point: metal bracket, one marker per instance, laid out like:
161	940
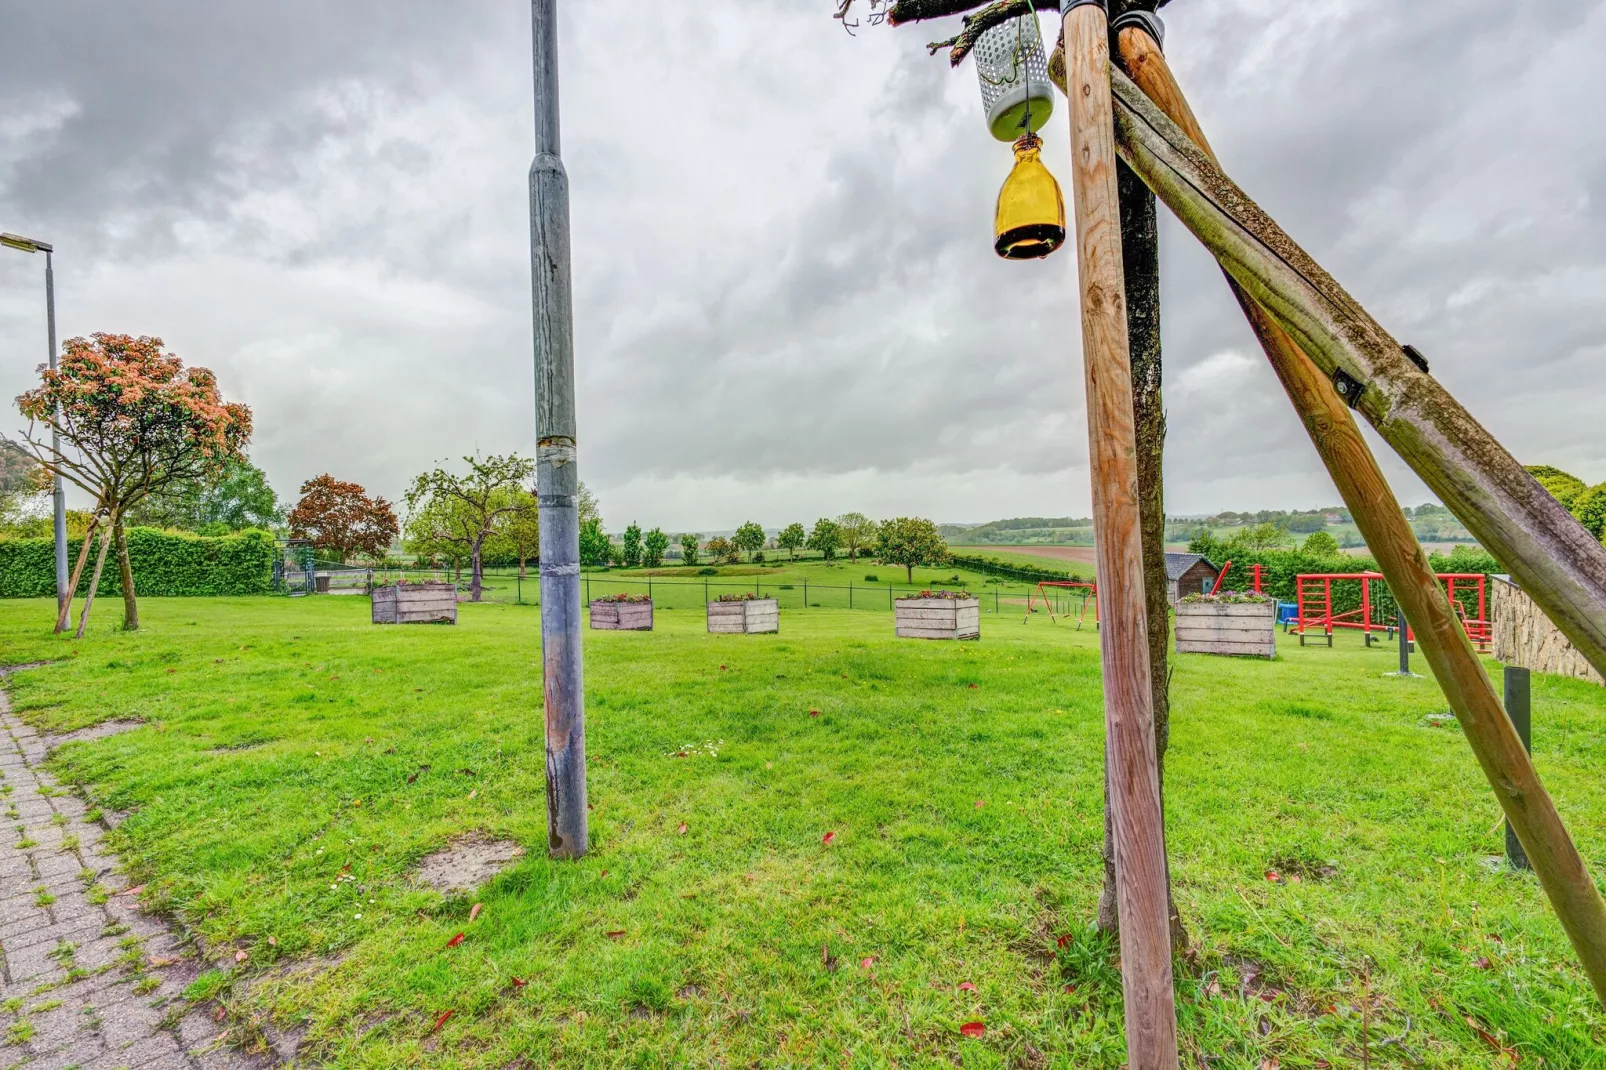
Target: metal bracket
1349	388
1147	21
1416	357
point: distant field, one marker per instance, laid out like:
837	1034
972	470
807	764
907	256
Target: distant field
1060	557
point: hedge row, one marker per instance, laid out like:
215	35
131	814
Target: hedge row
992	566
165	563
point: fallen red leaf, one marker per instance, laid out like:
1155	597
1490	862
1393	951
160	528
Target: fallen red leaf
1273	876
722	668
683	828
1069	989
474	911
240	956
974	1029
519	982
441	1020
973	687
966	986
980	804
828	837
814	713
866	963
614	934
1490	1039
135	890
1061	941
1482	964
454	941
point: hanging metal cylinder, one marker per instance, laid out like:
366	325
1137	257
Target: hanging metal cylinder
1013	72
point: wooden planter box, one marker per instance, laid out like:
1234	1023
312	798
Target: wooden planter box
937	618
1247	629
416	603
621	616
745	618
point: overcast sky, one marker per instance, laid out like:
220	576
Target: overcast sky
787	304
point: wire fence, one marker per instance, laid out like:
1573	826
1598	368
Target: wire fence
510	586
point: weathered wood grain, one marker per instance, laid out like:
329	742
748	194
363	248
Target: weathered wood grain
749	617
937	618
1145	936
621	616
1366	492
415	603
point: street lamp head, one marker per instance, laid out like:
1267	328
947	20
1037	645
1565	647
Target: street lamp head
27	245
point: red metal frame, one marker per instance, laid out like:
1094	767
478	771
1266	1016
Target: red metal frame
1093	588
1222	576
1321	615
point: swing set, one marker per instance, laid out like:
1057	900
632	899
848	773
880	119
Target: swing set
1090	596
1314	594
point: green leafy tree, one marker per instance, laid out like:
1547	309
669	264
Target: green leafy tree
469	506
1320	544
1266	536
595	545
630	547
792	537
1563	486
428	535
858	533
910	541
689	543
653	547
721	549
749	537
587	505
1590	509
235	497
826	538
518	532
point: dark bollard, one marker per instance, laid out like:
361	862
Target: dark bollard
1519	708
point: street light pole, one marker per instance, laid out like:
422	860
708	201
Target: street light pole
58	488
557	481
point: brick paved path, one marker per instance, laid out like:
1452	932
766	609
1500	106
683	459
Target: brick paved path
86	984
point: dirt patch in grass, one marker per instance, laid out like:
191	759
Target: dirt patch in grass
94	731
466	863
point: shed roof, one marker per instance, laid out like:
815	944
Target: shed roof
1176	565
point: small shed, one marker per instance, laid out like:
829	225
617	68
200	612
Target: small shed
1188	574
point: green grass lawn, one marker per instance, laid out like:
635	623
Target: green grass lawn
288	744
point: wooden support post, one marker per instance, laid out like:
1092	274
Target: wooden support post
1555	559
1151	1030
1444	642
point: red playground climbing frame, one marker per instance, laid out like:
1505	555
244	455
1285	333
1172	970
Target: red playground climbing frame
1314	592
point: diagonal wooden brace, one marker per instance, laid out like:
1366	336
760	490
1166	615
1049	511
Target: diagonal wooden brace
1557	561
1382	523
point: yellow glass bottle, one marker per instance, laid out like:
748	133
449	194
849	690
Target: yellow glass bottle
1031	210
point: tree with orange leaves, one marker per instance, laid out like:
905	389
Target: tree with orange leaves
133	420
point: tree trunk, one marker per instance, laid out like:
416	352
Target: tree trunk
475	576
909	574
64	611
125	573
94	582
1140	254
521	568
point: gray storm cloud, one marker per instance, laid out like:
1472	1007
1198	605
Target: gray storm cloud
786	299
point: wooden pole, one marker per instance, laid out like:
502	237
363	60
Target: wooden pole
94	581
64	605
1559	563
1444	642
557	478
1145	939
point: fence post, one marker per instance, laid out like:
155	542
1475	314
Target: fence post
805	592
889	597
705	591
850	594
995	600
1520	709
588	592
649	588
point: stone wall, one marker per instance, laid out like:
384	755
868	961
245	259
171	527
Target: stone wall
1524	636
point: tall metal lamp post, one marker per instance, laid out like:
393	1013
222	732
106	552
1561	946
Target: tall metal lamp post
557	481
59	492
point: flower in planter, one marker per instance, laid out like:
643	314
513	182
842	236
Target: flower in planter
633	599
746	597
1229	598
936	594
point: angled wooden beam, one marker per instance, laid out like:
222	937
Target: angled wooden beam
1131	764
1388	534
1557	561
